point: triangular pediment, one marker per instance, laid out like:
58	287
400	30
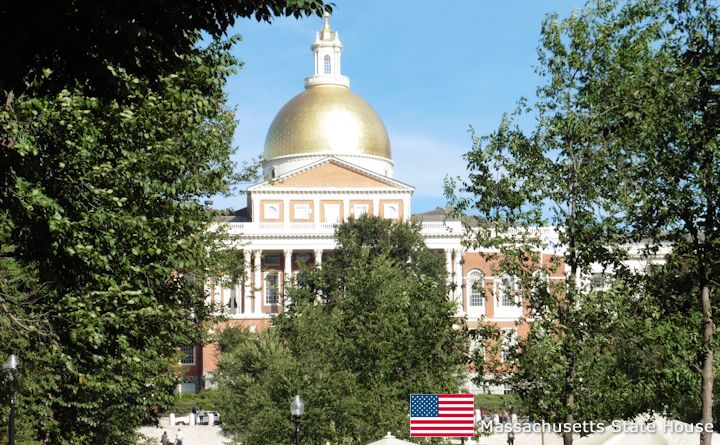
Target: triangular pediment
331	173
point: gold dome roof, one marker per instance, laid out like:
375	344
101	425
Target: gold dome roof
327	119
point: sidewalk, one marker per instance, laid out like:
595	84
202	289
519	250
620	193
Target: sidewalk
192	434
212	435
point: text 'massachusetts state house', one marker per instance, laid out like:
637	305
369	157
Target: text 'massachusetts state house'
328	157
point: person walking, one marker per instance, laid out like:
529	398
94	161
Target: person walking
164	439
178	437
511	438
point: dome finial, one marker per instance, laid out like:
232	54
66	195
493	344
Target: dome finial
326	34
327	50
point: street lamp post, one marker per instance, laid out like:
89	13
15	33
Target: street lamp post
297	409
10	366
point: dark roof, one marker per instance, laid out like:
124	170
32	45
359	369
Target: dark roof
242	215
438	211
439	214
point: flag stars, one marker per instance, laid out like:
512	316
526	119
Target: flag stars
423	405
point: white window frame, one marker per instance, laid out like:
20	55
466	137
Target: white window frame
233	296
541	277
335	211
268	287
302	212
360	210
272	210
189	351
600	281
477	346
507	341
391	211
500	286
475	276
327	65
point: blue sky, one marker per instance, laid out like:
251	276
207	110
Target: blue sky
430	69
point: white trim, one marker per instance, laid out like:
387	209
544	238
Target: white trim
266	287
193	353
339	162
474	276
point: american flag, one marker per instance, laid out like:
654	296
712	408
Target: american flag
442	415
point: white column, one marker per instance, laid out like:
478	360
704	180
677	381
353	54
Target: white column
318	257
247	291
287	273
458	282
448	265
258	282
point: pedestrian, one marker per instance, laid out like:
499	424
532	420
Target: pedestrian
164	439
511	438
178	437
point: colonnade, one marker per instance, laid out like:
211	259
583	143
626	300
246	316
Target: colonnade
250	295
250	292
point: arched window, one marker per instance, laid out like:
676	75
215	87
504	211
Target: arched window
476	288
328	65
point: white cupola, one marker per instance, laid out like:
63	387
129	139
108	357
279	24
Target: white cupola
327	50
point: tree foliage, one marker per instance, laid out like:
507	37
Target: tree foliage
113	126
78	39
101	196
660	101
633	92
363	332
558	174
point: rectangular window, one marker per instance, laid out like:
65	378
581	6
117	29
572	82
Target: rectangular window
332	213
188	355
302	212
271	260
509	341
360	209
303	258
505	289
477	348
272	296
600	281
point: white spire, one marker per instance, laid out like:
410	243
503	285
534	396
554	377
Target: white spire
327	50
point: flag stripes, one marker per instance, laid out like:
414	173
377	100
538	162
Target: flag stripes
442	415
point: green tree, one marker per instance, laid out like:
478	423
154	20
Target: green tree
113	128
371	326
77	39
102	197
558	174
661	100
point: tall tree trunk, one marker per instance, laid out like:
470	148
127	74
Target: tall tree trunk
707	368
569	401
572	287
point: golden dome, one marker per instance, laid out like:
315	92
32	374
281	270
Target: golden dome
327	119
